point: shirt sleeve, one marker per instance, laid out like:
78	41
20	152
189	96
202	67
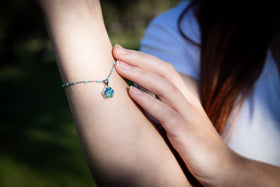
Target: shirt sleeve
163	40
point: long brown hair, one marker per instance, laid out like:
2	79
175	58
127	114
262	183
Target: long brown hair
234	43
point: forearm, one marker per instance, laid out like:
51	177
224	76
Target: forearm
254	173
247	172
121	145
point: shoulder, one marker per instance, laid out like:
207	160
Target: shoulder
164	40
166	24
170	17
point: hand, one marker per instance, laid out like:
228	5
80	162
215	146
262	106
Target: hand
187	125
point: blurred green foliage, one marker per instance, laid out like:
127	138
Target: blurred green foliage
38	141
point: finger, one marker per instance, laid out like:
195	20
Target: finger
160	86
169	118
153	64
178	131
143	60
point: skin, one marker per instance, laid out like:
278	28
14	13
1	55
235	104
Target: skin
121	145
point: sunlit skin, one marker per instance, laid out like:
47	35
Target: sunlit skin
121	145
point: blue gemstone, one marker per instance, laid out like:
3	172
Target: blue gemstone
86	81
114	62
67	84
62	85
98	81
108	92
74	83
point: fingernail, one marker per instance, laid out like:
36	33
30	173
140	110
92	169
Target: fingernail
121	50
123	66
136	90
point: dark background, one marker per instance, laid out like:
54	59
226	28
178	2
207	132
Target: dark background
38	142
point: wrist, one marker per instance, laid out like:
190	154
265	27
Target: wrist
236	170
230	171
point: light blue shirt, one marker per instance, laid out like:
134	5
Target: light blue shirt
255	131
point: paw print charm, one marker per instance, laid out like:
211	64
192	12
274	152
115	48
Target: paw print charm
107	92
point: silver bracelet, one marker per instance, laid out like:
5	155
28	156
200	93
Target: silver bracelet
107	91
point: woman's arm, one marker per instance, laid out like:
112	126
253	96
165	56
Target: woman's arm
121	146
